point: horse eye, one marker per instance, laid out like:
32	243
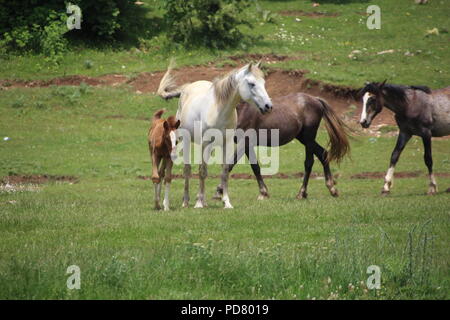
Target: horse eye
251	84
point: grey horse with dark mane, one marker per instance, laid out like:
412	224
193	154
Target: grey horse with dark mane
418	111
296	116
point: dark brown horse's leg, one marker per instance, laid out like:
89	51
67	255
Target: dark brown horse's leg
309	162
402	140
321	154
429	162
251	156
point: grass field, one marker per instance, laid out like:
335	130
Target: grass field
281	248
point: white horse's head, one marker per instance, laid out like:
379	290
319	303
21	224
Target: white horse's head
250	85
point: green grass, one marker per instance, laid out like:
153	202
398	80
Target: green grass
322	44
278	248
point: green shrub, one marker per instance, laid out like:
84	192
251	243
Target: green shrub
212	23
41	26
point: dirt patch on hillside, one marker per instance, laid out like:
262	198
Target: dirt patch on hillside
19	179
311	14
279	83
405	174
75	80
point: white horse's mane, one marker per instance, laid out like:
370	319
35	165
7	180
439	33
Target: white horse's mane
225	86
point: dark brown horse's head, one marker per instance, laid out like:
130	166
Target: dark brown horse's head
373	101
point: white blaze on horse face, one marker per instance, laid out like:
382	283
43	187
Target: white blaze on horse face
173	140
366	97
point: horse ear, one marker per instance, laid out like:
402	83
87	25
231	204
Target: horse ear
177	124
359	93
383	83
249	68
258	64
166	125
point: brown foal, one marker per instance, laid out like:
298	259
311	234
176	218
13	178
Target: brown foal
162	146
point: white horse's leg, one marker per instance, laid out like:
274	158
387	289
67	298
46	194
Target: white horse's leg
203	173
167	181
226	173
187	175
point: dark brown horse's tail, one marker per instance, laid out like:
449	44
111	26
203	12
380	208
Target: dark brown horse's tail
337	131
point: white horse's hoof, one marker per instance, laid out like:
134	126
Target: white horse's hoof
200	204
262	197
228	206
185	205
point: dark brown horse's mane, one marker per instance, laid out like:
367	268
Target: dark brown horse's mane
396	92
422	88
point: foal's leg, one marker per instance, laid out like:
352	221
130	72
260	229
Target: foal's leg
167	182
203	173
309	162
429	162
322	154
155	177
402	140
161	173
155	165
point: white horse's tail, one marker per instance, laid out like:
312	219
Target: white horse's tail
167	87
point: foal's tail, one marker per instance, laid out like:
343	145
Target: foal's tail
157	115
167	87
337	131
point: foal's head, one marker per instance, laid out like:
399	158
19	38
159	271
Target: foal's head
373	102
170	140
163	135
251	87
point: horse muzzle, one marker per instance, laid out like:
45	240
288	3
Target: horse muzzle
266	109
364	123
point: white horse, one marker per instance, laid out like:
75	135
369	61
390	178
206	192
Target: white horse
213	106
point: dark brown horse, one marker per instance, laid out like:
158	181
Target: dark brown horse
296	116
418	111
